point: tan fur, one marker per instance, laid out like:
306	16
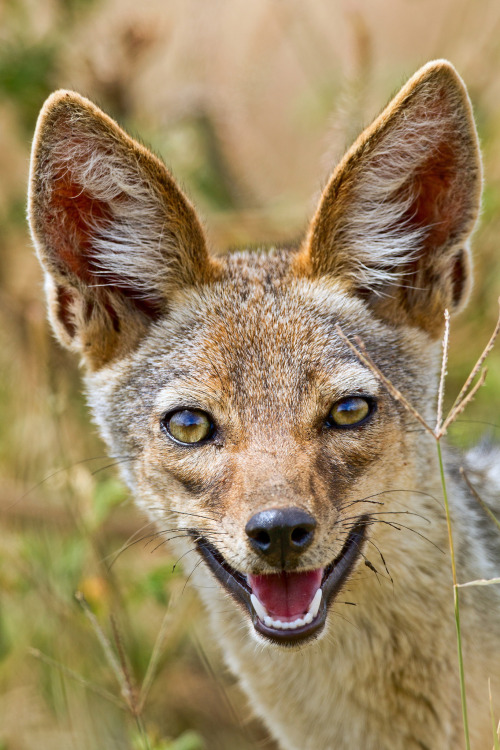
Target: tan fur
251	339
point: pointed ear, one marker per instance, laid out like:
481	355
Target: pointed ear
395	217
115	235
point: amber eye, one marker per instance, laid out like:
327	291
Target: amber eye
188	426
350	411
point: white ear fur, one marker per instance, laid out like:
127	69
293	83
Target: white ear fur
113	231
399	208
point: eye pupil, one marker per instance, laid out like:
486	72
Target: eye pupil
188	425
350	411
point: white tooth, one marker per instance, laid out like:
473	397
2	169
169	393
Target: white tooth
277	624
293	625
308	618
259	609
268	621
314	606
299	622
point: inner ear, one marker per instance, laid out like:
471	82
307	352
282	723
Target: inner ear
393	223
116	236
437	201
75	214
79	220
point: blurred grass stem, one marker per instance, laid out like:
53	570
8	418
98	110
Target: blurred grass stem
77	677
481	502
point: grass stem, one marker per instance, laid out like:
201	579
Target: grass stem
455	599
142	732
496	731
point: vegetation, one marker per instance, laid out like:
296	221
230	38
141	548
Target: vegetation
241	103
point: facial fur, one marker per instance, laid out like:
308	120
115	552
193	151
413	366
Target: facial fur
259	351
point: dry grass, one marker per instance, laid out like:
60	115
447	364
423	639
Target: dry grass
243	100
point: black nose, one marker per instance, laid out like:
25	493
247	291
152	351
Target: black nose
280	535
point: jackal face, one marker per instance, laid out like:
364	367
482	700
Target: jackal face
251	431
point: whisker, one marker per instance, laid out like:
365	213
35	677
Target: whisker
154	535
115	463
197	515
475	421
389	492
195	567
54	474
355	502
398	526
129	542
382	558
178	536
343	617
193	549
369	564
388	513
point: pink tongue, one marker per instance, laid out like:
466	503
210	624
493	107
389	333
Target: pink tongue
286	594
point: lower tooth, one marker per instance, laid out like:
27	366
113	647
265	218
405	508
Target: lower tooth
299	622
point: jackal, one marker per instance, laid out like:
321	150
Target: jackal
253	431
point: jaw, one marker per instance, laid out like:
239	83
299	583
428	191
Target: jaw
303	615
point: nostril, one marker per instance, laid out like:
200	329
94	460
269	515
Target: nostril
300	536
281	534
262	539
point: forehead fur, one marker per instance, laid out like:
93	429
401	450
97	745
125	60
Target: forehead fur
260	334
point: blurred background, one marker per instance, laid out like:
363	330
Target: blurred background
250	104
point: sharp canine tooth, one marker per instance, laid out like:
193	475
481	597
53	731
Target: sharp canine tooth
308	618
259	609
314	607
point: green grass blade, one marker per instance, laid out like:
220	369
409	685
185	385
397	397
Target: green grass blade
455	599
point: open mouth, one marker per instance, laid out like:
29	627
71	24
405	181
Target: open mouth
287	607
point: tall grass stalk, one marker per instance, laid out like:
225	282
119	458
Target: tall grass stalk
465	396
120	667
37	654
456	599
496	730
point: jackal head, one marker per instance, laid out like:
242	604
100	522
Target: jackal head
252	434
